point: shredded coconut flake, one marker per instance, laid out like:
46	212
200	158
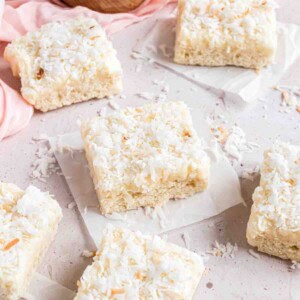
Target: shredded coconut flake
85	210
114	105
236	143
164	50
45	163
290	97
232	141
71	205
254	254
41	137
294	266
223	250
137	55
87	253
161	97
117	216
146	96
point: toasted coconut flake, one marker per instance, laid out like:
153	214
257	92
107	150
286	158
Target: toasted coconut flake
117	291
11	244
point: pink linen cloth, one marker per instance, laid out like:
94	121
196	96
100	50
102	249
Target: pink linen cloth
21	16
15	113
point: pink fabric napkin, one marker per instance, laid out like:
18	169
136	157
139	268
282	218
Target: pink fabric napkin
15	113
21	16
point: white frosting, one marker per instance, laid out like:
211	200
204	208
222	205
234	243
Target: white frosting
24	215
221	21
63	52
138	148
140	267
277	199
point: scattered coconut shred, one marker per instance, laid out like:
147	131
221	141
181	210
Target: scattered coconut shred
294	266
45	163
117	216
160	97
233	141
290	96
87	253
114	105
155	213
254	254
142	60
223	250
71	205
166	52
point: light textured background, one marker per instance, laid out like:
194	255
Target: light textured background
242	277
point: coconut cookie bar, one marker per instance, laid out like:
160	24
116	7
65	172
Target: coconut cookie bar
130	265
64	63
226	32
274	224
144	156
28	223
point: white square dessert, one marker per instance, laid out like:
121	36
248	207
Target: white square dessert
64	63
145	156
274	224
28	224
226	32
130	265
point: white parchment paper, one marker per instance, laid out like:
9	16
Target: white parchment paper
223	192
237	83
42	288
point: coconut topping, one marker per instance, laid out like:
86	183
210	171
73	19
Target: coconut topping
140	267
138	148
277	199
23	216
227	19
62	52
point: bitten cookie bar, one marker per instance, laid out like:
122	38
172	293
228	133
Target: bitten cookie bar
144	156
64	63
130	265
226	32
28	223
274	224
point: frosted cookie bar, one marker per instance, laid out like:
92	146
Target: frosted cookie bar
64	63
28	223
130	265
274	224
144	156
226	32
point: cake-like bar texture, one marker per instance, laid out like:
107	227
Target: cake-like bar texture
144	156
274	224
28	224
129	265
226	32
64	63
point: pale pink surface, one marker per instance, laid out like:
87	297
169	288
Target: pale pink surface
243	277
21	16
